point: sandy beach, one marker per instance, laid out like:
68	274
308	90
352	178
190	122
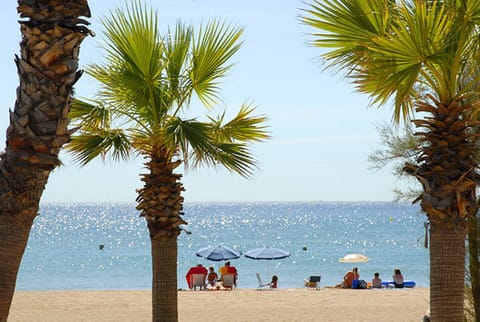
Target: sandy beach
291	305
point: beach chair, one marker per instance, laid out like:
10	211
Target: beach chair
228	281
197	280
313	282
262	285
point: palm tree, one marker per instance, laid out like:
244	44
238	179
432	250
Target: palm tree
47	69
146	87
406	148
416	55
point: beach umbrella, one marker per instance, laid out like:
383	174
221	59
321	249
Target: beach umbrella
353	258
218	253
267	253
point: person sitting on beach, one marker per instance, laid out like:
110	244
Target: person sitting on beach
228	269
199	269
397	278
233	270
273	283
212	276
350	277
223	270
376	281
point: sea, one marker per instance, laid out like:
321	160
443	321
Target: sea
106	246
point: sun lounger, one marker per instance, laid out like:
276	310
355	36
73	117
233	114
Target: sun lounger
313	282
262	285
228	281
197	280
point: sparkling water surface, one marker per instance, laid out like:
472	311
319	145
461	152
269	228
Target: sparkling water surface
64	252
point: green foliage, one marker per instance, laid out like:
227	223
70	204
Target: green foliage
404	147
213	47
400	51
147	82
397	148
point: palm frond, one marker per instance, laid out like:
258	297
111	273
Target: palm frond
89	145
469	75
236	157
132	36
198	146
176	51
349	26
187	136
120	88
243	127
143	140
389	57
133	79
468	13
90	114
214	45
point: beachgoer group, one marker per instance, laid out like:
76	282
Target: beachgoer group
352	280
211	278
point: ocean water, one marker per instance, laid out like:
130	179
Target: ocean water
63	252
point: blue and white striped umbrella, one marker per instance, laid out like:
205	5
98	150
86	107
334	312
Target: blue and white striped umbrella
219	253
267	253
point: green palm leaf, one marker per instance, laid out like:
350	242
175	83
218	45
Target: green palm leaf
133	39
207	144
213	47
348	26
236	157
176	52
136	64
186	135
87	146
90	115
243	127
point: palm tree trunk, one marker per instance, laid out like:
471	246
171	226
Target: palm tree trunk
447	171
47	69
164	281
473	251
447	273
13	247
161	203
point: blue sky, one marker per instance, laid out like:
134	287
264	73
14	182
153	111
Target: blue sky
322	131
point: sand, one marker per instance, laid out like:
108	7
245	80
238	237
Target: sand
290	305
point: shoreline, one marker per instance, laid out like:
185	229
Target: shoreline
327	304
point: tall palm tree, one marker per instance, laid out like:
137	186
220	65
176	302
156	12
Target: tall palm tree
47	68
406	148
416	55
146	88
